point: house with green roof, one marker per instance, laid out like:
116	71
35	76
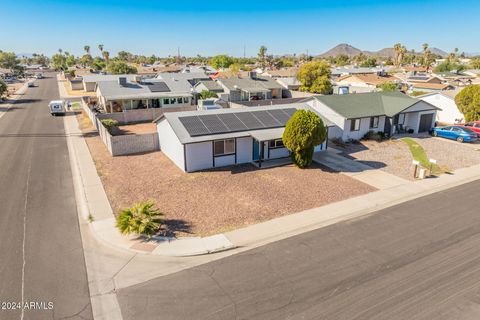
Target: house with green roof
390	112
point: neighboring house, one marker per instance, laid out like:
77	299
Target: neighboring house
448	112
389	112
199	140
191	77
426	83
208	70
208	85
75	83
343	71
473	72
289	83
281	73
5	73
251	88
122	94
90	81
365	80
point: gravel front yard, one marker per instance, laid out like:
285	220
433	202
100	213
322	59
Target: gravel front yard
450	154
218	200
392	156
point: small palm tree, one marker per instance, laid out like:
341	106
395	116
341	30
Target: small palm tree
142	218
106	56
100	47
87	49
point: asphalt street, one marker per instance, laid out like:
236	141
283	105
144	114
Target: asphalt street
42	262
416	260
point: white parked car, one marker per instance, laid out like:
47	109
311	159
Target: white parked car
57	107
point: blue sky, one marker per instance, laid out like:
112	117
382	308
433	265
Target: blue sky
216	27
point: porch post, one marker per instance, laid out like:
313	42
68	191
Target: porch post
260	156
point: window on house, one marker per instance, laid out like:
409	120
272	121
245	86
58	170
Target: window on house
273	144
166	101
173	100
355	125
374	122
224	147
185	100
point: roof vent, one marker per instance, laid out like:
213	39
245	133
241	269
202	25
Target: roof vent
122	81
252	75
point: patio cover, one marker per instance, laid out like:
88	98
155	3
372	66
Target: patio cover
267	134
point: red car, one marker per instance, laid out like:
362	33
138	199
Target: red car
474	125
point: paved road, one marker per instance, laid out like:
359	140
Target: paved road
417	260
41	250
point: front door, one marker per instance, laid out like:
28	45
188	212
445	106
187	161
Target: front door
425	122
387	129
256	150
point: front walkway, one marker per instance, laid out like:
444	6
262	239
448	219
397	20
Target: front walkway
357	170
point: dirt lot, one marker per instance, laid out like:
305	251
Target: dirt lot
214	201
137	128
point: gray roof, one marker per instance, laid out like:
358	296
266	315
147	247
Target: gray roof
183	76
210	85
184	136
112	90
363	105
108	77
258	84
341	71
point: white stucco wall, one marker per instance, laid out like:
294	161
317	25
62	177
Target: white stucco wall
169	144
449	113
244	150
199	156
278	153
364	128
223	161
327	113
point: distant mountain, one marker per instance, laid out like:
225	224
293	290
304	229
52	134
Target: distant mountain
385	52
351	51
342	48
439	52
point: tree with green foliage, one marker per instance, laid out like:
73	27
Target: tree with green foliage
369	63
389	86
475	63
120	67
207	94
9	60
468	102
341	60
98	64
221	61
86	60
449	65
142	218
86	49
314	77
3	89
124	56
262	52
303	132
59	62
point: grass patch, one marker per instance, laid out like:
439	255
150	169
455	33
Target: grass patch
76	106
419	154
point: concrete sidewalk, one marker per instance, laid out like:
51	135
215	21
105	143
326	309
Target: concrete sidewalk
93	202
6	105
357	170
96	208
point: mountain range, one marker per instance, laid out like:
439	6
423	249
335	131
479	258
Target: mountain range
351	51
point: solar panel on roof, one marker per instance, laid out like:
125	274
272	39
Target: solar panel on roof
281	116
158	87
213	123
266	119
250	121
232	122
194	126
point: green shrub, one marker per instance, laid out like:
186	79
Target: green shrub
110	124
142	218
208	94
303	132
373	135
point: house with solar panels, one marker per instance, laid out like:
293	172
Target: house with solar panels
198	140
125	94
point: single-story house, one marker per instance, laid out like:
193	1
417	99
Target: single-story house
282	73
198	140
429	87
289	83
447	112
208	70
389	112
122	94
208	85
250	88
90	81
191	77
368	80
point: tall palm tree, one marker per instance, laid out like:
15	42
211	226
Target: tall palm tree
60	50
397	48
87	49
100	47
106	56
